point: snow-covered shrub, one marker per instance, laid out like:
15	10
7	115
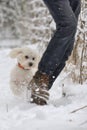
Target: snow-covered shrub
7	19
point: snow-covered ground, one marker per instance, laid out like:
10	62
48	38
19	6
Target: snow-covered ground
18	114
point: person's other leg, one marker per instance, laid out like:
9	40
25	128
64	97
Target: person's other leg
76	7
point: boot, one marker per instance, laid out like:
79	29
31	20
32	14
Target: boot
39	88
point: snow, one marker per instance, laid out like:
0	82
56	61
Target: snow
9	43
18	114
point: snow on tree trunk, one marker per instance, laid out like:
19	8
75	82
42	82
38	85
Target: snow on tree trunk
77	64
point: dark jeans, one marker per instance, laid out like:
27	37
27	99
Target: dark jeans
65	14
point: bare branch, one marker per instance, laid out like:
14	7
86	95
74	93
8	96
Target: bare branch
78	109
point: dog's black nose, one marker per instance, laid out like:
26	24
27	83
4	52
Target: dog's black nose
30	64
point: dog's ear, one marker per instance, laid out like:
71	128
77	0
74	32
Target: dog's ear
15	52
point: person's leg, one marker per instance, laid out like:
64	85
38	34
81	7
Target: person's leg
66	23
61	66
76	7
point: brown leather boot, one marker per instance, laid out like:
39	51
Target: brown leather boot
39	88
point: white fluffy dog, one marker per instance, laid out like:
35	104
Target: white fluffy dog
22	73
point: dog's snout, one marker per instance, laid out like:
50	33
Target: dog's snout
30	64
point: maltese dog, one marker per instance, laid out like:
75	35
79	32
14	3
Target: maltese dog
24	70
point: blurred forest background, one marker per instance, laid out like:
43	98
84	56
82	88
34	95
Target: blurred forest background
24	22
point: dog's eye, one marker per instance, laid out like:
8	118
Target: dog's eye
27	57
33	58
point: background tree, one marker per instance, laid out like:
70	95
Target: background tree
77	65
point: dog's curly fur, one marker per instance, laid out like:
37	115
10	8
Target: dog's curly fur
21	77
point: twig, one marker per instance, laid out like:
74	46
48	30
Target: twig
83	123
78	109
